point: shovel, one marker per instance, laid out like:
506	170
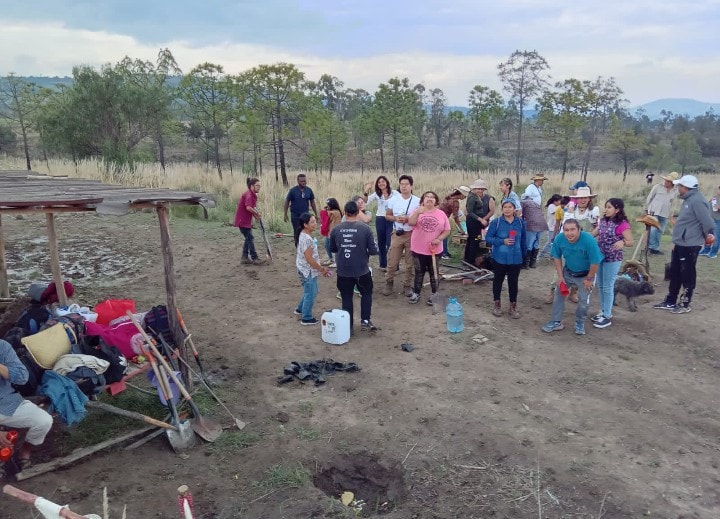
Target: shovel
206	428
436	298
130	414
268	250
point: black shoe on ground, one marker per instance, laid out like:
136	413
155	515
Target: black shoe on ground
655	251
665	306
366	325
309	322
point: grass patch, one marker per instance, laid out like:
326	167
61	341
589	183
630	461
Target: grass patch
305	408
281	476
307	434
232	442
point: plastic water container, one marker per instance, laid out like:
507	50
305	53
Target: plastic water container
454	315
335	326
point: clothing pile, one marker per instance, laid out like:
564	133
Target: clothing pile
315	370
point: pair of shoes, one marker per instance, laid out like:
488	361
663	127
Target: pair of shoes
413	298
603	322
388	289
366	325
655	251
579	328
553	326
665	306
309	322
497	309
681	309
258	261
246	261
597	318
297	312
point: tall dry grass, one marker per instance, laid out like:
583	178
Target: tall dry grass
343	185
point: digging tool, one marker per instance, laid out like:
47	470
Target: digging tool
238	423
206	428
129	414
268	249
166	349
188	339
183	438
436	299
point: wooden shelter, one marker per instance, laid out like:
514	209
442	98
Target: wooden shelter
31	192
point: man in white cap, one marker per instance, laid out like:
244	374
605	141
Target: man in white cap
658	204
534	190
690	231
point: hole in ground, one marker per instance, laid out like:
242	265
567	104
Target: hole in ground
380	484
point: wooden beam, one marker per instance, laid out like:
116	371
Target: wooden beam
55	260
4	286
168	262
31	210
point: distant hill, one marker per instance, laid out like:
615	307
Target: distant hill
689	107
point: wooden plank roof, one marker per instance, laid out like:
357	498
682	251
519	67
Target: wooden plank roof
28	191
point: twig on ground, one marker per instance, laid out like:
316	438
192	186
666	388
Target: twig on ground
555	499
263	496
537	493
408	454
472	467
602	506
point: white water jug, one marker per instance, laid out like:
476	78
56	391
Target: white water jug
335	326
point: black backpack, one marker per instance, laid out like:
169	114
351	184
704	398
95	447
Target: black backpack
94	345
35	373
33	317
158	324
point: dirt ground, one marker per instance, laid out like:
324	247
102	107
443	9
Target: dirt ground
621	423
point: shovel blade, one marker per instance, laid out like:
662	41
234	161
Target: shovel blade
207	429
182	439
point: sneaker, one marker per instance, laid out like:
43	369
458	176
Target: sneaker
414	298
603	322
245	261
338	295
656	251
408	291
258	261
681	309
553	326
309	322
430	300
579	328
713	255
665	306
497	310
704	252
597	318
445	256
297	312
366	325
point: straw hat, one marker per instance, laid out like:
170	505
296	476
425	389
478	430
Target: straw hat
583	192
479	184
538	177
462	190
671	177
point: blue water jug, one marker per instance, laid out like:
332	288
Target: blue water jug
454	314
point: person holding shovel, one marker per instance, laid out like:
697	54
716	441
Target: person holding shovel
431	227
246	211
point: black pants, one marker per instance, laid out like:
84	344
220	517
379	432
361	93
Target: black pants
472	245
422	264
513	274
248	250
297	229
346	286
682	272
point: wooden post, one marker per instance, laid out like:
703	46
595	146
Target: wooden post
166	245
4	286
55	260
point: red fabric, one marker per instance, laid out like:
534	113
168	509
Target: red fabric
324	222
243	218
113	308
50	295
118	335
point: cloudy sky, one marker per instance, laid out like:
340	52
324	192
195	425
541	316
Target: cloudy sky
654	49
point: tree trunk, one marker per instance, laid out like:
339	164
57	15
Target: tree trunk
382	153
332	162
216	146
396	152
280	148
161	149
230	163
25	145
518	158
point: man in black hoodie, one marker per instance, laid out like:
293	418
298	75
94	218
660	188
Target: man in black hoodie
693	225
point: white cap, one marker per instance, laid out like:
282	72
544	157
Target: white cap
688	181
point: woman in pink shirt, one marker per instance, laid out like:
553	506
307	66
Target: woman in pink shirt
431	227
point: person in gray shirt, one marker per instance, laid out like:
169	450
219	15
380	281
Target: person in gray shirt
352	243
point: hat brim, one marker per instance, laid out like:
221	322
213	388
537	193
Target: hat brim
669	179
582	196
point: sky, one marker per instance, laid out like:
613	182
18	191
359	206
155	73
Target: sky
654	49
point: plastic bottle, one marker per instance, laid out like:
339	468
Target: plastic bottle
6	452
454	315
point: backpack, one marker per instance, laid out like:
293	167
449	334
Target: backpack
94	345
33	317
158	324
35	374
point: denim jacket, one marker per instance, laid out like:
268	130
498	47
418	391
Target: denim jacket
498	230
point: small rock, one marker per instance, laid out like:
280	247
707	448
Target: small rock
282	417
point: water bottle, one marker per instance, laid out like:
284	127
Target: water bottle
454	314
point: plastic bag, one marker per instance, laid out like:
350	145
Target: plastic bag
112	308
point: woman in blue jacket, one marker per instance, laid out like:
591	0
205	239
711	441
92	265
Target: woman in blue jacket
506	234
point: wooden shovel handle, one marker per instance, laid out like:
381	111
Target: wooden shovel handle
129	414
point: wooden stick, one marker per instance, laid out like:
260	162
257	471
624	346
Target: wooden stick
129	414
77	454
27	497
55	260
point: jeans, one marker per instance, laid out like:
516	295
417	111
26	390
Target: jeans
558	305
713	250
656	234
248	250
327	249
532	240
423	263
307	300
384	230
346	286
606	275
513	274
682	273
548	245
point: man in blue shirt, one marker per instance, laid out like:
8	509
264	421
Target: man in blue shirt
15	411
582	258
299	200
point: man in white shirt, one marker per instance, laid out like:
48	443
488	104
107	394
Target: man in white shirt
399	209
534	190
658	204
